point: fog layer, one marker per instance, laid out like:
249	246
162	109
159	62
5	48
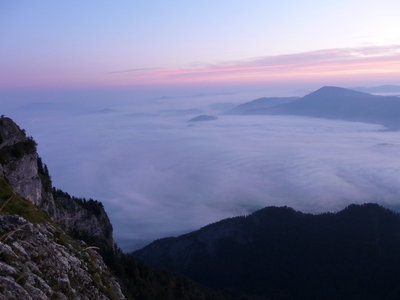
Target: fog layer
159	175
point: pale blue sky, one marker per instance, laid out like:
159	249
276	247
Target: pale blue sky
78	39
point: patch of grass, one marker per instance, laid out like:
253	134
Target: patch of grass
67	241
17	205
100	279
110	292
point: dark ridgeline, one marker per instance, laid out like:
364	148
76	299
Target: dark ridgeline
330	103
280	253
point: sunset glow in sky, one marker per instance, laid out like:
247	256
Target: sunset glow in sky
86	44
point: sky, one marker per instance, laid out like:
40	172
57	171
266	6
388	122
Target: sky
96	44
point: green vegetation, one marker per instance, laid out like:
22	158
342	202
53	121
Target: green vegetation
17	151
44	175
14	204
64	239
100	279
94	206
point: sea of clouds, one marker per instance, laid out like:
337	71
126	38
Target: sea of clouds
159	175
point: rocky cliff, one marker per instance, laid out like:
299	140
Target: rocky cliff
18	163
39	255
21	166
84	219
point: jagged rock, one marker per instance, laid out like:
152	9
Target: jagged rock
10	133
19	164
7	270
39	261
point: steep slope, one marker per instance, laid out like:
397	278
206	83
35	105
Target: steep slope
337	103
280	253
38	261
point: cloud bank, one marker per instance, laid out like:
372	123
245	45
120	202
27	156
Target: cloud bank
157	176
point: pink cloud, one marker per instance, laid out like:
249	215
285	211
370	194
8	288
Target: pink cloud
345	63
374	63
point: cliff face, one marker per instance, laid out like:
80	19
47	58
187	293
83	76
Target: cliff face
85	219
40	255
18	161
21	166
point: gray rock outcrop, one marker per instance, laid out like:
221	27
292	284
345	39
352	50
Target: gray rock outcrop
39	261
18	159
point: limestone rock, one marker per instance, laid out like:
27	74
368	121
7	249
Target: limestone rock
39	261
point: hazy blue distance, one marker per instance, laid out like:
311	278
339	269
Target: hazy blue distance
157	176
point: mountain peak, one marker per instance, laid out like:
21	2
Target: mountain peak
336	91
10	133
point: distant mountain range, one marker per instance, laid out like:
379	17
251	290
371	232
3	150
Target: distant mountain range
260	106
202	118
280	253
330	103
381	89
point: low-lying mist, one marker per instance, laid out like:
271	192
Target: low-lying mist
159	175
